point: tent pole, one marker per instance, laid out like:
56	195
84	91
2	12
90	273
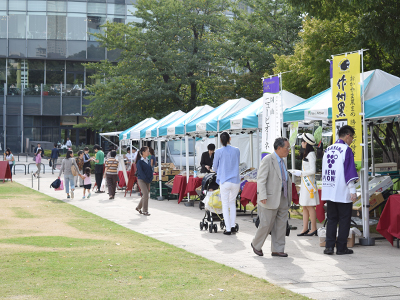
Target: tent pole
367	240
181	155
372	149
187	161
258	149
159	172
251	150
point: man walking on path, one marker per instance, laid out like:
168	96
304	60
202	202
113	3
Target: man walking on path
338	189
54	156
99	166
274	189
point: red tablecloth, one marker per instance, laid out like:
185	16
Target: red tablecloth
389	222
121	176
249	194
320	209
179	186
5	172
192	185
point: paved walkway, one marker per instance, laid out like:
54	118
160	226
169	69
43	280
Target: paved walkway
372	272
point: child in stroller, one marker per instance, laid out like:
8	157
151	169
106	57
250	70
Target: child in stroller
212	214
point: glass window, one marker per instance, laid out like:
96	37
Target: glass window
56	49
3	6
115	19
57	6
16	25
94	23
55	72
17	48
56	27
3	47
95	51
75	73
50	121
35	72
96	8
17	5
120	1
113	55
37	48
33	133
14	75
32	121
3	24
130	9
37	6
78	7
115	9
36	26
103	1
76	50
2	63
77	27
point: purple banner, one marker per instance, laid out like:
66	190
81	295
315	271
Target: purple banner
271	85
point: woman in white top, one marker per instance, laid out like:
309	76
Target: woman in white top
10	158
309	197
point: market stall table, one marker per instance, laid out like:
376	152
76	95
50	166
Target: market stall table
320	209
121	176
389	222
5	171
180	184
192	185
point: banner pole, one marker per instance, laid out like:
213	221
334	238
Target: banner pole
367	240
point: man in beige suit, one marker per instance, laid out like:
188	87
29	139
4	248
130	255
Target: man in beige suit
274	189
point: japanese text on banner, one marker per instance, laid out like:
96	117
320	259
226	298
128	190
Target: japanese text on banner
346	100
271	122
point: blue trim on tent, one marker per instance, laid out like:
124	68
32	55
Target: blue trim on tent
384	105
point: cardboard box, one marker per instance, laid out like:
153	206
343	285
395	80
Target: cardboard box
374	201
386	167
175	172
350	241
167	172
156	169
163	178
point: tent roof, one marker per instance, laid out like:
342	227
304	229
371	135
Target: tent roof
114	133
177	127
152	130
247	117
319	107
384	107
209	121
133	132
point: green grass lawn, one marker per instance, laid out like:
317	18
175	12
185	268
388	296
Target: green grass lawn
53	250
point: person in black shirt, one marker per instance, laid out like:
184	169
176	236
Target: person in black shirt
54	156
207	159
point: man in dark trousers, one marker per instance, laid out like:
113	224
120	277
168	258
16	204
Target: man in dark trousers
37	148
99	166
338	190
54	156
207	159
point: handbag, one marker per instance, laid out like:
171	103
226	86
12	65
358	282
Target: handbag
50	163
74	171
257	223
103	185
61	188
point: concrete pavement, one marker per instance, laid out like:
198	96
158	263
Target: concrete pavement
372	272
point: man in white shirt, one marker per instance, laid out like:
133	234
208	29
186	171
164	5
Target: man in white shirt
68	143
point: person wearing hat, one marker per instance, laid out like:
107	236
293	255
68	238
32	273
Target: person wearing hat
309	197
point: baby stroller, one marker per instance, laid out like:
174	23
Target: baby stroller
209	182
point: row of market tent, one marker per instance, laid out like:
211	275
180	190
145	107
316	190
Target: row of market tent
240	116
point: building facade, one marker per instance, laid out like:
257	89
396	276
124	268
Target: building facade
42	81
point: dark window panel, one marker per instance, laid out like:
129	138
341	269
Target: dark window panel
50	121
57	49
75	79
51	105
55	65
71	106
37	48
3	47
36	64
115	9
31	107
32	133
94	23
113	55
16	48
95	51
77	50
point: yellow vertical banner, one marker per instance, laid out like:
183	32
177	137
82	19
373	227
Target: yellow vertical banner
346	99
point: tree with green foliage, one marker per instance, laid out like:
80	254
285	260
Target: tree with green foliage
173	58
260	29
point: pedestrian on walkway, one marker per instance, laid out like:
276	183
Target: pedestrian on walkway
8	156
309	197
87	182
111	174
79	163
274	189
38	161
55	153
99	166
66	165
226	165
338	189
145	177
86	158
